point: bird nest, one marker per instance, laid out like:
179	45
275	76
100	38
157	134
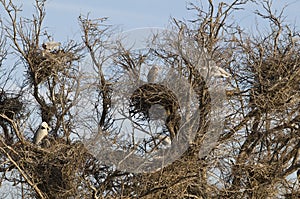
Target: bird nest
276	83
44	64
274	100
10	104
152	94
54	169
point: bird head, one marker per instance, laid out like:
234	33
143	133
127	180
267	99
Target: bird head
44	125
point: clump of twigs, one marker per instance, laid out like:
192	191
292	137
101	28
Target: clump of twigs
55	168
276	79
10	104
155	94
45	64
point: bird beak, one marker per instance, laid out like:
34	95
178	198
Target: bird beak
49	129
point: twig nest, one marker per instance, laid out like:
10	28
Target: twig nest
49	63
155	94
10	104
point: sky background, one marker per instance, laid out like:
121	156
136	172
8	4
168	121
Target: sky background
62	15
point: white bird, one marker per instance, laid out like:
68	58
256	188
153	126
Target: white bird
220	72
217	71
165	140
51	45
152	74
41	133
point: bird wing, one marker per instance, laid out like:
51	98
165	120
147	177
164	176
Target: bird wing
223	73
39	135
152	74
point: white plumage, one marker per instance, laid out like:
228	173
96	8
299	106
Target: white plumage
220	72
152	74
51	45
217	71
41	133
165	140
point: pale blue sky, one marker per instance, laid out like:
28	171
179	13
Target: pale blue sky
61	15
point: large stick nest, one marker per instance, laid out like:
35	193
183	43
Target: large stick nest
155	94
276	83
44	64
54	169
10	104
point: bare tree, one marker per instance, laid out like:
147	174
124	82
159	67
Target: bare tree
256	155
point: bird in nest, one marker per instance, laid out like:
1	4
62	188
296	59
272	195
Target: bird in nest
152	74
51	46
41	133
215	71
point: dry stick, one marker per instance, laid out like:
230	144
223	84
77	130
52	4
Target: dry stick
20	137
21	171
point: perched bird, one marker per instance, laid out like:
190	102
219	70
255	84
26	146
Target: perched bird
215	71
165	140
152	74
51	45
220	72
41	133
